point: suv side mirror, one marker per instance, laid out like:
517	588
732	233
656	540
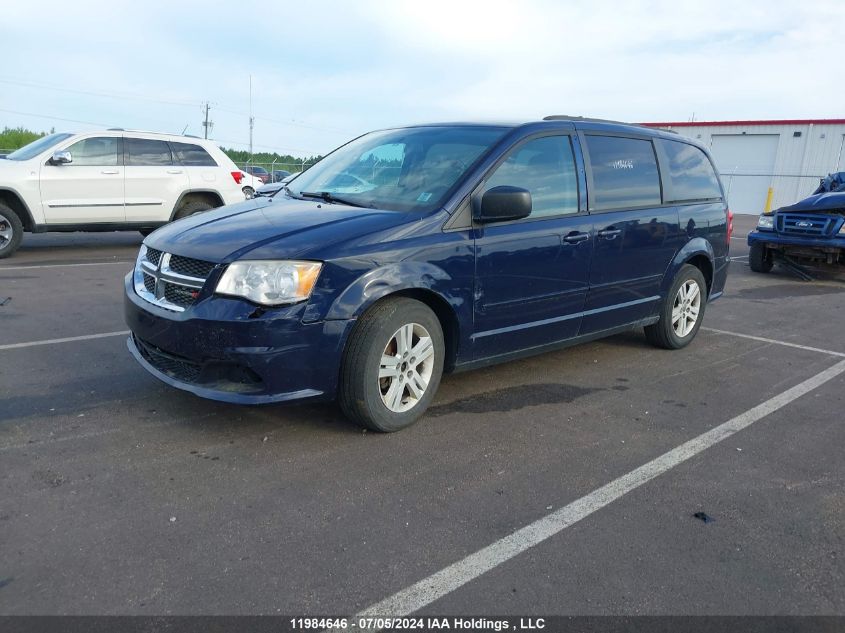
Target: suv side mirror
61	157
503	203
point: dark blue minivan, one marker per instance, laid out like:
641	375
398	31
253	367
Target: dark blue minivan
412	251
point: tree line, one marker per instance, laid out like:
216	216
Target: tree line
15	138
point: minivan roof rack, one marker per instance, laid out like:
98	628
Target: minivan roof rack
566	117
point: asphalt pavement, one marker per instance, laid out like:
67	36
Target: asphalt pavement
120	495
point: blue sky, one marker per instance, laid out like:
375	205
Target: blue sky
324	71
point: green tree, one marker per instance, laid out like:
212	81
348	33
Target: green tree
15	138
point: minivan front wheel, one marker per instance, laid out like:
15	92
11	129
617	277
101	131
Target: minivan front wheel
392	365
682	311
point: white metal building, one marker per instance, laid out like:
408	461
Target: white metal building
788	155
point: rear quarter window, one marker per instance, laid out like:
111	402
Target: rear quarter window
691	174
192	155
624	173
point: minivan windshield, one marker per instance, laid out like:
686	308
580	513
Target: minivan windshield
36	147
408	169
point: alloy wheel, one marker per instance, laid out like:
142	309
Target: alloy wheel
686	308
406	367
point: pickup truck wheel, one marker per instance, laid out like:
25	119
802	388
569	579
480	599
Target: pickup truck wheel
392	365
11	231
759	258
192	207
682	311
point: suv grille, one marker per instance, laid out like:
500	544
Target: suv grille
802	224
170	281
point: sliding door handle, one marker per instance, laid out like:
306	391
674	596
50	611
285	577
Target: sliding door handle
610	233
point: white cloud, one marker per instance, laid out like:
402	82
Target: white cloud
324	71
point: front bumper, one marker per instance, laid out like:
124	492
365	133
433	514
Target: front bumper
230	350
806	247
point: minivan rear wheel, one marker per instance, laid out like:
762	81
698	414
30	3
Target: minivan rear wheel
392	365
682	311
11	231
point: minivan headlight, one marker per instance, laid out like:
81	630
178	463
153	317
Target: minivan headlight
270	282
766	222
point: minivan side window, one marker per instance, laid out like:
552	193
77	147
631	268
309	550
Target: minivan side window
193	155
624	172
691	173
99	151
147	152
546	168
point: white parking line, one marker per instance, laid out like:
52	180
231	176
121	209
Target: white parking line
775	342
445	581
124	262
69	339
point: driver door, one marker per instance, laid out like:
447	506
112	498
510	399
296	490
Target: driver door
89	189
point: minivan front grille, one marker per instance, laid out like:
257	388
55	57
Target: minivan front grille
170	281
174	366
803	224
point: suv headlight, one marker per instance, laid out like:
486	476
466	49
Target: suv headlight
270	282
766	222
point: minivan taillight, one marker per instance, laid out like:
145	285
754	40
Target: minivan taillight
238	176
730	225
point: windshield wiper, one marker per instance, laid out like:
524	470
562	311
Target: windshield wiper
327	196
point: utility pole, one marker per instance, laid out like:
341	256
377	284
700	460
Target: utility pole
207	124
251	118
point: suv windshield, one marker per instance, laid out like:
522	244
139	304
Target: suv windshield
36	147
409	169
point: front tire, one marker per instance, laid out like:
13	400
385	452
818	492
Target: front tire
759	258
392	365
192	207
11	231
682	311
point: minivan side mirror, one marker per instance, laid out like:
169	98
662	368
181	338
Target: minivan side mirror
61	157
502	203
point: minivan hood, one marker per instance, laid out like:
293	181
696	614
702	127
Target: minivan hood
289	227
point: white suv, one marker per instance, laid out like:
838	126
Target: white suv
111	180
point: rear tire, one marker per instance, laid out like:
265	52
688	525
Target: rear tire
682	311
392	365
192	207
11	231
759	258
249	193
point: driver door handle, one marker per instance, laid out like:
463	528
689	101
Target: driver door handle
110	171
174	171
576	237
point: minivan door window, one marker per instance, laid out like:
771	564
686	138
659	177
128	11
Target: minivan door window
546	168
624	173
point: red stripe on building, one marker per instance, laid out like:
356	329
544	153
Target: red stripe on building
741	123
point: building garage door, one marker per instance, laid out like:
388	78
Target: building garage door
747	164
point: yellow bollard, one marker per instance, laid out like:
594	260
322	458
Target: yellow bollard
769	197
